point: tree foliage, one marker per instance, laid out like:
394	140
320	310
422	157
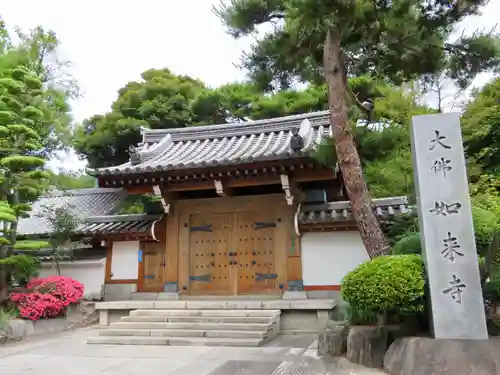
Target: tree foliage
62	223
37	51
397	40
481	127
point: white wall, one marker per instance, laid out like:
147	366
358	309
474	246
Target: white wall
90	273
328	256
125	260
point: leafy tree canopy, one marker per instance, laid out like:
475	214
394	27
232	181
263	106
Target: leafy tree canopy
38	52
393	40
481	127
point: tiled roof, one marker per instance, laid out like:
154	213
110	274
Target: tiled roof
82	203
99	225
226	144
79	253
341	211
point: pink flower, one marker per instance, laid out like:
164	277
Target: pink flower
51	296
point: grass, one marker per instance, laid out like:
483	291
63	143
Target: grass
5	316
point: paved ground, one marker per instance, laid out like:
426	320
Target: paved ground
68	354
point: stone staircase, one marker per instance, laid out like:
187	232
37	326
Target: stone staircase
192	327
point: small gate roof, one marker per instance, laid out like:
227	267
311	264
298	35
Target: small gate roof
222	145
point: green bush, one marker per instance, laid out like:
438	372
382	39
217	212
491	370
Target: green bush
387	285
410	244
21	268
491	289
485	224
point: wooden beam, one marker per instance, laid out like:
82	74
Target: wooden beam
143	189
203	180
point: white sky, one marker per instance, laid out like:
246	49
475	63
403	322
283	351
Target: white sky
110	42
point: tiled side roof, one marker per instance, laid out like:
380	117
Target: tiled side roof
80	202
117	224
341	211
79	253
226	144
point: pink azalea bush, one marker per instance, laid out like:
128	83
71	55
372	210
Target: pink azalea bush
49	298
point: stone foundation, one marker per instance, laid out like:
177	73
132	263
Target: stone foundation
426	356
297	316
78	315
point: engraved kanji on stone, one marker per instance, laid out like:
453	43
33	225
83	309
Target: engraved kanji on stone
438	141
441	208
442	165
451	246
456	289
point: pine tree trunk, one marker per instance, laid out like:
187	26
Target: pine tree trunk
345	148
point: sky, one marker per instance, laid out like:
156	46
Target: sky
111	42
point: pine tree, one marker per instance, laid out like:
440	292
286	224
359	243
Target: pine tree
332	40
21	159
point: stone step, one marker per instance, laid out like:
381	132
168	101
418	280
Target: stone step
199	319
184	333
195	326
249	313
176	341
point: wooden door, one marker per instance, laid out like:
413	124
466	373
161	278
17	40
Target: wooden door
209	248
153	264
254	244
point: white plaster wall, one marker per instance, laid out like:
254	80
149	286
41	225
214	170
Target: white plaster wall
90	273
328	256
125	260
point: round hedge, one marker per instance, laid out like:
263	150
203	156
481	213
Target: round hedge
386	284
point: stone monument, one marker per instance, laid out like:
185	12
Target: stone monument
460	345
445	217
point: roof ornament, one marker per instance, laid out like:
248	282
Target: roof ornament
296	142
135	157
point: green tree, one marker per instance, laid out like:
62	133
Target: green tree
481	127
69	180
21	162
319	40
62	223
38	52
160	100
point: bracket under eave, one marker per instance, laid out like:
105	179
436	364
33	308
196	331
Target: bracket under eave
221	191
285	183
164	204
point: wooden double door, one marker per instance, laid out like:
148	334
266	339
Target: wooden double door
232	253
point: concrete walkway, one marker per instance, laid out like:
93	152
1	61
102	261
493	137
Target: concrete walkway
67	353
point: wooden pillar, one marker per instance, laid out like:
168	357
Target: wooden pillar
170	275
183	252
294	260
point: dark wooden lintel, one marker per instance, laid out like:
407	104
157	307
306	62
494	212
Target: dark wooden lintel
299	170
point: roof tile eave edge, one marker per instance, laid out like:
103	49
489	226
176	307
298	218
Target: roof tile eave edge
190	167
227	126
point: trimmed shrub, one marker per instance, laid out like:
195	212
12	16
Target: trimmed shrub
409	244
387	285
49	298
